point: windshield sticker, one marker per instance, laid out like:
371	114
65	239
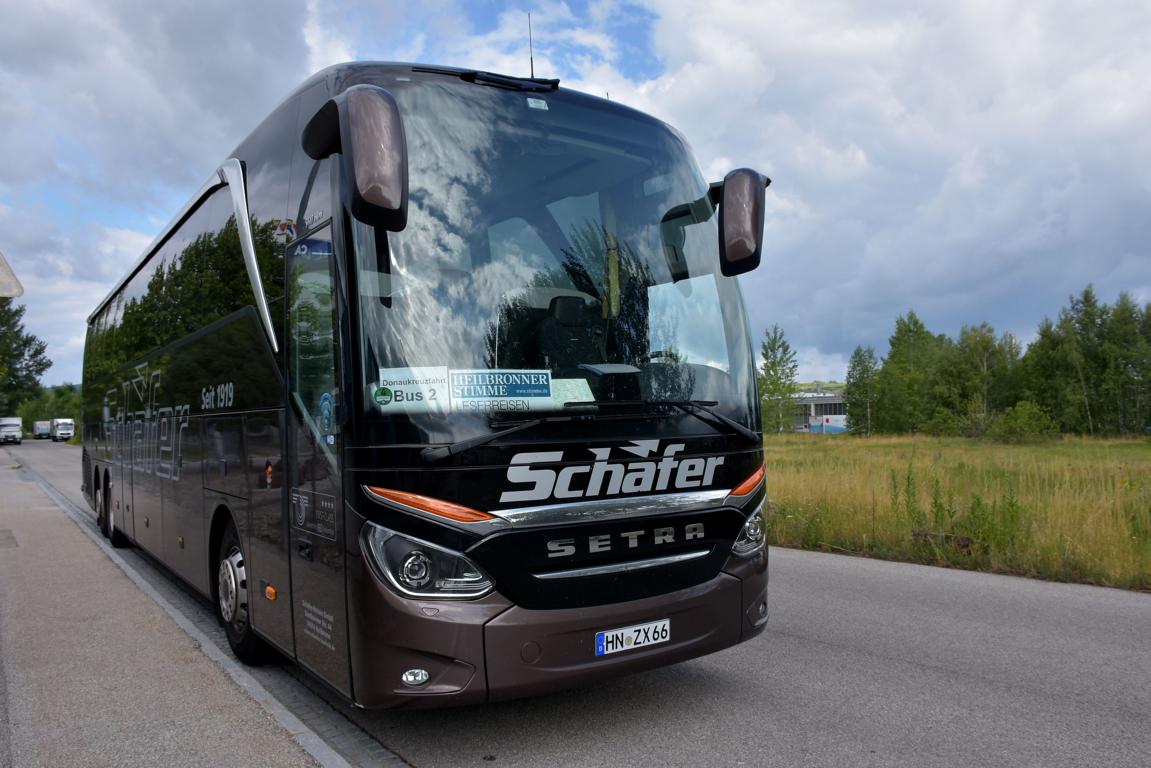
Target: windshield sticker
537	104
435	389
412	390
571	391
501	390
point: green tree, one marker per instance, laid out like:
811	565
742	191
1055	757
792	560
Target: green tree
1126	355
22	359
777	385
1091	369
906	386
1007	378
859	393
1084	326
979	354
1049	376
977	378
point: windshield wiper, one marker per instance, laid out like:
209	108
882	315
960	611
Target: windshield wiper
701	409
433	454
531	84
706	407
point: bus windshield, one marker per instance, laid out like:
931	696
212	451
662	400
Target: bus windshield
560	255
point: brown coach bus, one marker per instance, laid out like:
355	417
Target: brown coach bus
441	386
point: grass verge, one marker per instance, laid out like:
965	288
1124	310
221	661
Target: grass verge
1076	509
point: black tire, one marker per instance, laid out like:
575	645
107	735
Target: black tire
232	600
106	521
118	539
102	511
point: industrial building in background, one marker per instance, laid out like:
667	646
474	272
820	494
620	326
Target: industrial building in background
821	411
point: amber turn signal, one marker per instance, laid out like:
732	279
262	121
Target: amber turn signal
749	485
457	512
270	593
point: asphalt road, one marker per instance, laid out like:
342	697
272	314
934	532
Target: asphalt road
864	663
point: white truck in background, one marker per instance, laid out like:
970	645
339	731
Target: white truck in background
63	429
41	429
11	429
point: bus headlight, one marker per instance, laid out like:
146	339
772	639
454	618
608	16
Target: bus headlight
752	537
420	569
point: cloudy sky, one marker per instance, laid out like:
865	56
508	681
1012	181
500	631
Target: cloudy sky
971	160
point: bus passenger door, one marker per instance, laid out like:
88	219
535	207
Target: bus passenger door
319	615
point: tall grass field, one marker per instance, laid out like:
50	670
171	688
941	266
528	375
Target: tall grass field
1075	509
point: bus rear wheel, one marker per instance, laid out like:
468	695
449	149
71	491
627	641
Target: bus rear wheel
117	537
232	599
107	522
102	512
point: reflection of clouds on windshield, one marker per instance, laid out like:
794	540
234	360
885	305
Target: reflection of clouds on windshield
451	151
442	316
451	148
503	218
689	324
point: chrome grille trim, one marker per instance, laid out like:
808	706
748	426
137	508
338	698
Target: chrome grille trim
617	508
634	565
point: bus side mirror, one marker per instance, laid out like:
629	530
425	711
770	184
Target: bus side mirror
741	207
363	125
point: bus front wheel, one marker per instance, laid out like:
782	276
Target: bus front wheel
232	599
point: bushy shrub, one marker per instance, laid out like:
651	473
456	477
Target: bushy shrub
1024	422
943	423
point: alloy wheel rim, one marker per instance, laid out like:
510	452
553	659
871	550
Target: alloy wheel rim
233	592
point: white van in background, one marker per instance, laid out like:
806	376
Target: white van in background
63	429
11	429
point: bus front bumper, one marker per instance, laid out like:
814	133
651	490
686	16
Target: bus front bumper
492	650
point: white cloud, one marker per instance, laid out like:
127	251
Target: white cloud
815	365
971	160
326	46
61	290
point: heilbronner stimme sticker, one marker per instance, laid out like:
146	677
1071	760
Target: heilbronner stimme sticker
439	389
501	390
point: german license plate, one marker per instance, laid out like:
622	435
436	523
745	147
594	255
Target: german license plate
627	638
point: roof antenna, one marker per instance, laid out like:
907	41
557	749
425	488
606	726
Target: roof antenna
531	57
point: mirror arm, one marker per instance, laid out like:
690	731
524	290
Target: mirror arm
715	190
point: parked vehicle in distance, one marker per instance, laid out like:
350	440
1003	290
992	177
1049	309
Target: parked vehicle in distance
477	420
11	429
42	429
63	429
